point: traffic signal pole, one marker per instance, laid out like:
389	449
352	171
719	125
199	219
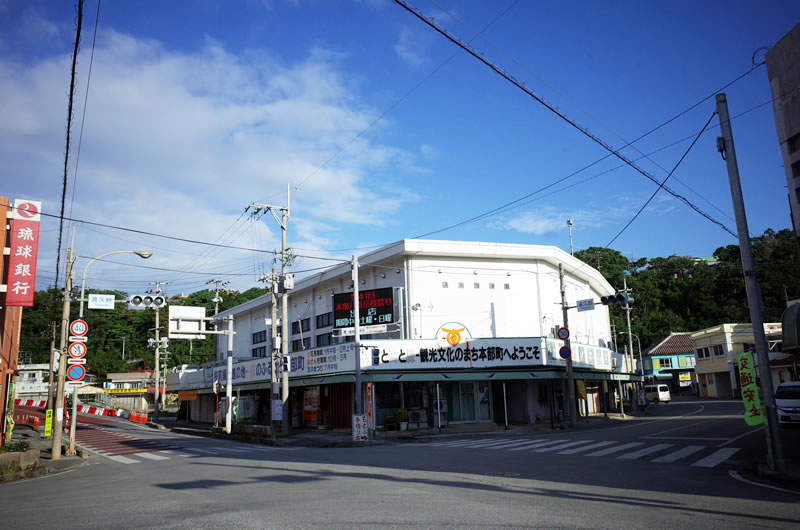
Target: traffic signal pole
726	148
573	415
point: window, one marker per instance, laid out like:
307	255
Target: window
460	285
324	340
476	285
491	286
297	345
718	351
506	286
444	285
261	351
259	336
279	329
324	320
690	361
295	328
702	353
666	362
711	379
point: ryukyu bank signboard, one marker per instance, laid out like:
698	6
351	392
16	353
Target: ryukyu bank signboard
439	354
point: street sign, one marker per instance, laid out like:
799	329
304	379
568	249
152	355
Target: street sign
73	338
585	305
76	372
563	333
565	352
48	423
377	328
77	350
73	360
78	328
101	301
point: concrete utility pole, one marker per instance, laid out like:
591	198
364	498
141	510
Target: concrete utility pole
62	361
573	416
156	372
285	286
356	332
50	368
726	148
220	285
272	354
569	226
630	336
229	372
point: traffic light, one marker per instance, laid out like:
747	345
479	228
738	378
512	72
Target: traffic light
618	298
147	300
285	361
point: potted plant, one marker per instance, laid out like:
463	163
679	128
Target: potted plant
401	417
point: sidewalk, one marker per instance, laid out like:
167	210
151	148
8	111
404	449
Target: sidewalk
34	439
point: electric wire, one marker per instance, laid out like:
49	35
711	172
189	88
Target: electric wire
551	108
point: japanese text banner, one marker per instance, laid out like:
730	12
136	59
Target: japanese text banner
24	250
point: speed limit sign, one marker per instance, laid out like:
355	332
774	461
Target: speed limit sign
78	328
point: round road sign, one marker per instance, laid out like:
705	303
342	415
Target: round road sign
563	333
77	350
76	372
78	328
565	352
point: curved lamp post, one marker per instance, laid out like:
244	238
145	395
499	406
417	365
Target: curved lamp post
142	254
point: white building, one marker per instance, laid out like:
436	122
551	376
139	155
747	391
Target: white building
473	323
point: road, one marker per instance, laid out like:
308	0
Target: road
670	469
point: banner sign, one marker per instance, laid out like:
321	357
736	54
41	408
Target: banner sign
24	249
375	306
753	411
101	301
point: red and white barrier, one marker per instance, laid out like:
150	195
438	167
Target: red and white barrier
97	411
29	403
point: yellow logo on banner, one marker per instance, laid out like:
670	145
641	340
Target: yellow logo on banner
451	332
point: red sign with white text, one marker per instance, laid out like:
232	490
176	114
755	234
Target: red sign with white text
24	249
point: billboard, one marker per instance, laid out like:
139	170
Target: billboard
375	306
24	249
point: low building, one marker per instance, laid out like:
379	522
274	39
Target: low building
131	390
716	349
456	332
672	361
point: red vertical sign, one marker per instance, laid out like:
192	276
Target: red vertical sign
24	249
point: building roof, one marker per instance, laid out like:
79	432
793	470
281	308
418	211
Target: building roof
674	344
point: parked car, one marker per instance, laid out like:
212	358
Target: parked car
787	401
656	393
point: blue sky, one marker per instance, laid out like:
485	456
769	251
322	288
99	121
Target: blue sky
381	128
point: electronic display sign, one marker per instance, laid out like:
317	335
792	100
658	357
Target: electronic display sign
375	306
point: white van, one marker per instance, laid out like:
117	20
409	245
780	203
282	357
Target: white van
656	393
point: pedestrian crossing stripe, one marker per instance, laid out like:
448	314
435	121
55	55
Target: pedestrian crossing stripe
593	448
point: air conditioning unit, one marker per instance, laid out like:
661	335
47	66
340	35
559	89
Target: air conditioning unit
417	417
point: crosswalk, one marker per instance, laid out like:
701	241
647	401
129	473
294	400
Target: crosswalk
660	453
128	449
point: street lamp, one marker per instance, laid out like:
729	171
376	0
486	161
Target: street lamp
142	254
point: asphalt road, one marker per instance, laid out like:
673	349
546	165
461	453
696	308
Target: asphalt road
671	469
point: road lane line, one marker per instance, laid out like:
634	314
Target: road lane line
717	457
642	452
615	449
680	453
740	436
585	448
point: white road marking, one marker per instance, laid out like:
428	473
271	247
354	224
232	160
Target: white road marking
122	459
151	456
506	445
538	443
562	446
615	449
737	476
177	453
585	448
740	436
234	449
717	457
680	453
462	442
642	452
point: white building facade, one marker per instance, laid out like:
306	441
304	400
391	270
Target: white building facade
466	325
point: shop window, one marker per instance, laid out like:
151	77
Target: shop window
324	320
259	336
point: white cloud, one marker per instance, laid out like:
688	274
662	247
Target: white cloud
197	137
410	48
428	151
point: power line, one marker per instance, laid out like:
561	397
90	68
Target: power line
555	111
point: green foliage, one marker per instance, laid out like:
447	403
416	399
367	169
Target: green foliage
110	329
18	447
401	415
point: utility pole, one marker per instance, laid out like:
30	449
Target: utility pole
285	284
573	419
569	226
229	372
123	348
50	368
273	350
357	332
630	335
62	361
156	372
220	285
726	148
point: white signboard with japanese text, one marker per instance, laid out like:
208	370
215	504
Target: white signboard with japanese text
101	301
24	239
